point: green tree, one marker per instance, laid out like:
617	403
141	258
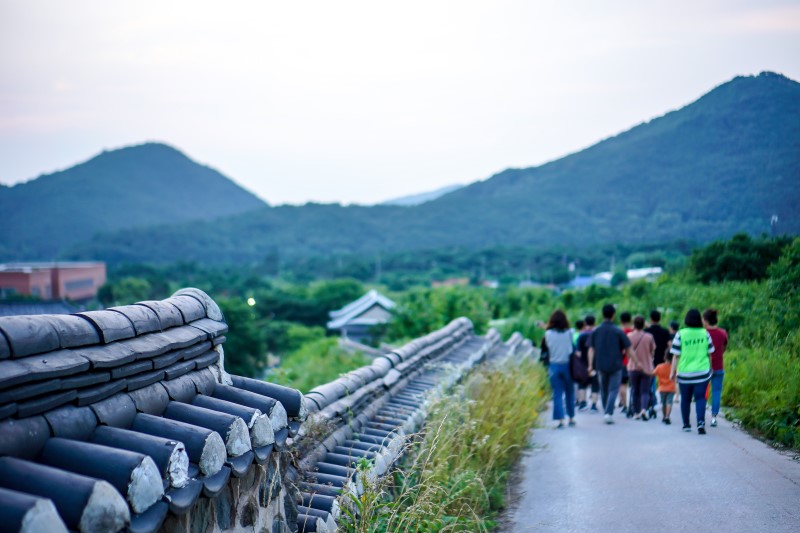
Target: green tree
423	310
245	347
126	291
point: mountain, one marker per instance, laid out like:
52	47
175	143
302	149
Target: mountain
144	185
723	164
421	198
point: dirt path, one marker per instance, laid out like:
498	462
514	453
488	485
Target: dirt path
646	476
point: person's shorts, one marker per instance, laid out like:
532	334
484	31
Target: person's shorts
625	377
666	397
593	381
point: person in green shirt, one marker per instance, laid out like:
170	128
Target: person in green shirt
692	348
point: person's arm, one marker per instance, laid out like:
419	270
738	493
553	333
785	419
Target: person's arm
591	361
676	354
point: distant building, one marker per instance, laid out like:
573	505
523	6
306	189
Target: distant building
357	319
52	281
451	282
648	273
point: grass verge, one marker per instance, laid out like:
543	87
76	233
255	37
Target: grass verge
454	473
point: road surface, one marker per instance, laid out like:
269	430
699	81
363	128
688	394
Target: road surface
646	476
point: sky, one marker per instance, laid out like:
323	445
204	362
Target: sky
363	101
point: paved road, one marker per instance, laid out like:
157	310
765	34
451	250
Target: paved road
646	476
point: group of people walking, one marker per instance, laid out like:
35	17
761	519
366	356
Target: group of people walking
607	359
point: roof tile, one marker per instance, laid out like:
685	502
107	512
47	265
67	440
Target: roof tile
144	319
72	422
112	326
168	315
73	330
29	335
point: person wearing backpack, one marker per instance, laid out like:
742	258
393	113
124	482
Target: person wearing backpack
692	348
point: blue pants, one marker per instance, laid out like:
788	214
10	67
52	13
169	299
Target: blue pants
562	384
609	388
716	390
640	383
698	391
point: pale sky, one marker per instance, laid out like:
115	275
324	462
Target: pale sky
358	102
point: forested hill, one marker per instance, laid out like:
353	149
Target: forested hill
136	186
723	164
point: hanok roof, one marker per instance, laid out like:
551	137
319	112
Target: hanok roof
111	419
351	313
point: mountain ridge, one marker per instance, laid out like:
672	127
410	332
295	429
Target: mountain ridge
138	185
722	164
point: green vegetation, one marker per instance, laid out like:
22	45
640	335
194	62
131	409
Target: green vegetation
421	311
724	164
762	371
740	258
146	185
757	305
314	363
454	475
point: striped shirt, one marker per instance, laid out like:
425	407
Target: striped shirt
690	378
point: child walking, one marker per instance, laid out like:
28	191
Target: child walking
666	387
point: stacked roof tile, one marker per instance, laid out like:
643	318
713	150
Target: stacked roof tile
114	419
366	414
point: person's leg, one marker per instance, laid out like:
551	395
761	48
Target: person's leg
686	403
636	392
668	405
557	384
570	390
603	377
700	401
653	397
716	391
595	390
645	386
614	379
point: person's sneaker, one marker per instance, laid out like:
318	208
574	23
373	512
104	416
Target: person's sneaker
583	407
667	421
687	429
594	410
560	425
623	409
701	430
652	413
644	417
572	423
608	419
713	421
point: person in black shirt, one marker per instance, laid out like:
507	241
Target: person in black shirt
583	350
662	338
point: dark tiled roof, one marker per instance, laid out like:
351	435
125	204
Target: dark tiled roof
111	419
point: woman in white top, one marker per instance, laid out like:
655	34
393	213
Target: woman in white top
558	343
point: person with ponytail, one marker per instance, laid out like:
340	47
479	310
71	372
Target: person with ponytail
692	348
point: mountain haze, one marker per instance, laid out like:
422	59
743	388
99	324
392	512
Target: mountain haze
422	197
726	163
142	185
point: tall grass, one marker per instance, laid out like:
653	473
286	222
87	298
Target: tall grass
454	473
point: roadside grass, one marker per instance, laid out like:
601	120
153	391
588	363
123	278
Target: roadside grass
454	473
